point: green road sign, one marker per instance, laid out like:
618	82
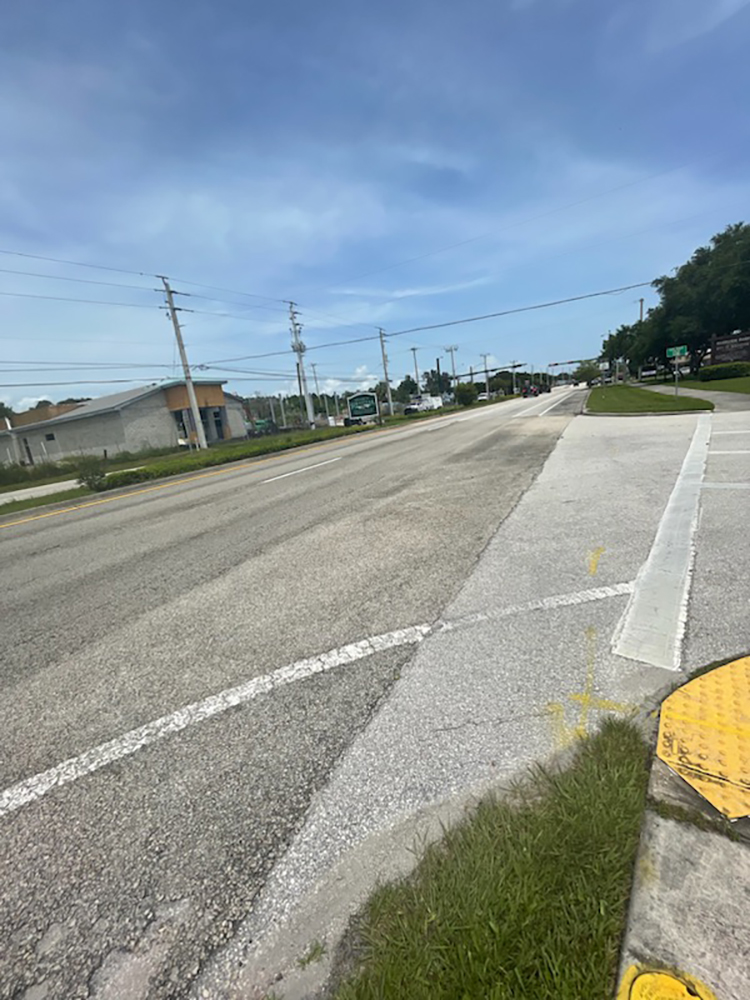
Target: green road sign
677	352
364	404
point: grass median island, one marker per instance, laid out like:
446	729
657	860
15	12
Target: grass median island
627	399
525	900
741	384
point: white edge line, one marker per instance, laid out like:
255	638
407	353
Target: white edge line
733	452
731	432
296	472
34	788
725	486
556	403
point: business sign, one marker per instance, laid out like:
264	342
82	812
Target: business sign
733	348
677	352
604	366
363	404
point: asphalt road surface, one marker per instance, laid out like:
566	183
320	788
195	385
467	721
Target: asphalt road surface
121	882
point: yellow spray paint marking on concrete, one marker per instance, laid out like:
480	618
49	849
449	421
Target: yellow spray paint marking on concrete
564	734
704	736
639	983
594	558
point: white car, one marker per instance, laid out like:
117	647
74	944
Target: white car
482	397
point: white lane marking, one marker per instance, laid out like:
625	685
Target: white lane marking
124	746
34	788
544	604
745	452
653	624
530	411
556	403
725	486
731	432
296	472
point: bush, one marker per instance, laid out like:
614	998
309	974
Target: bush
731	369
91	473
466	393
22	474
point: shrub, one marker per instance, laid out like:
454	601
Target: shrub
91	473
730	369
466	393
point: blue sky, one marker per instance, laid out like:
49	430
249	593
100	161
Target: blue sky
312	151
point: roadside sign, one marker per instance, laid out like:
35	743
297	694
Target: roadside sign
604	366
363	404
677	352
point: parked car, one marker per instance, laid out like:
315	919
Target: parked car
482	397
545	387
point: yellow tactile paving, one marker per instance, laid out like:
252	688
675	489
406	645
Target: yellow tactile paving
651	984
704	735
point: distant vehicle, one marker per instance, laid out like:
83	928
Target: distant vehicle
421	404
530	390
482	397
545	387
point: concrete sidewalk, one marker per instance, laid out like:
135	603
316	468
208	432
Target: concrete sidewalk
30	492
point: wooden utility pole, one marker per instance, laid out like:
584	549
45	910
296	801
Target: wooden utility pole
194	408
299	349
385	371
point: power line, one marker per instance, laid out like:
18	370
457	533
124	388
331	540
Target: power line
82	281
521	309
75	263
94	302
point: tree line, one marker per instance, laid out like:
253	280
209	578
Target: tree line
708	295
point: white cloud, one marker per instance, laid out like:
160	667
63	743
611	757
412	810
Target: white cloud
416	292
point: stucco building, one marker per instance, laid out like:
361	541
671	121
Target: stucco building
155	416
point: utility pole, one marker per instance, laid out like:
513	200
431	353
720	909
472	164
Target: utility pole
513	374
273	415
194	408
283	413
471	373
641	301
416	368
385	371
317	389
336	402
452	351
486	374
440	377
299	349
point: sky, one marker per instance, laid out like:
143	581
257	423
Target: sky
394	165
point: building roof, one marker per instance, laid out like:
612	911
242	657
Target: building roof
115	401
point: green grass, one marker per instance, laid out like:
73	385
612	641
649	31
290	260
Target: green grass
527	899
627	399
741	384
13	506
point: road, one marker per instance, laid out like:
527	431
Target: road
123	871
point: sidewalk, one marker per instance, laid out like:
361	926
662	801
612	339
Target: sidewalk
520	664
29	492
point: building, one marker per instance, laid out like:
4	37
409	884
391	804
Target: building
155	416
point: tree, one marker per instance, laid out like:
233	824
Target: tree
41	403
5	410
587	371
406	389
466	393
436	384
74	399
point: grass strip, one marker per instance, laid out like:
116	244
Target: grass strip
628	399
527	899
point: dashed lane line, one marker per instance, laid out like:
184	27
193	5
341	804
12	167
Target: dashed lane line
296	472
32	789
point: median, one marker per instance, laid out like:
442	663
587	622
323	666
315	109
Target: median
627	399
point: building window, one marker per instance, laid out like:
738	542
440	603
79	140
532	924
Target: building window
49	437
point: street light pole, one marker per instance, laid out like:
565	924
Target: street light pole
385	371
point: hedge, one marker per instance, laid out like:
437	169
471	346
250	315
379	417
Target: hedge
731	369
